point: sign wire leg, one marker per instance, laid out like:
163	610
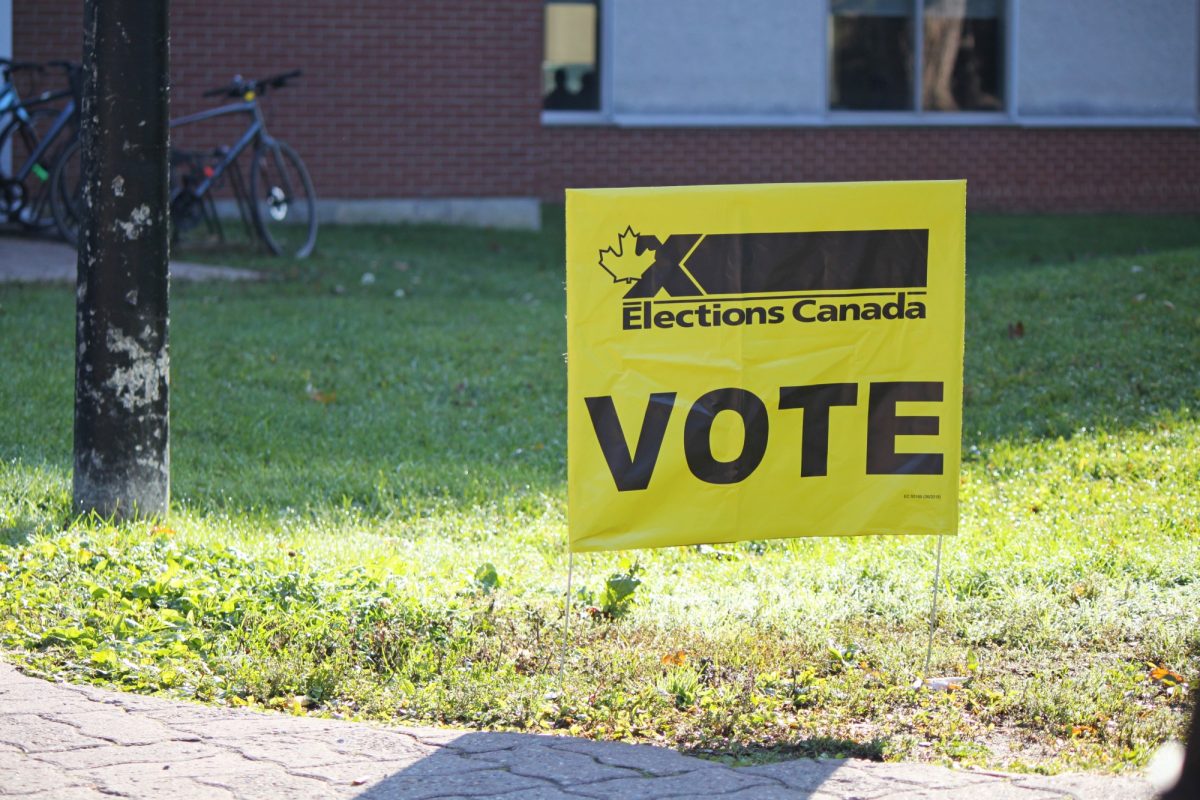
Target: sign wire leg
562	659
937	574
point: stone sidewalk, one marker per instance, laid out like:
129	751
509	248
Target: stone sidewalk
25	259
79	743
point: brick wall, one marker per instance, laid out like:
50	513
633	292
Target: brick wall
1008	169
429	98
419	98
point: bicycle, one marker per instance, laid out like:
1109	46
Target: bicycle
279	201
34	129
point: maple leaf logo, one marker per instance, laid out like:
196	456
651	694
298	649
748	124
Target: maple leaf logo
623	261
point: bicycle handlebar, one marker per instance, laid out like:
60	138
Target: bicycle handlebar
8	65
68	66
240	87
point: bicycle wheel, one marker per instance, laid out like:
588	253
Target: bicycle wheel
66	193
28	202
284	203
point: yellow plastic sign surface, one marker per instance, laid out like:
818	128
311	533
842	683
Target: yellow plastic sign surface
769	361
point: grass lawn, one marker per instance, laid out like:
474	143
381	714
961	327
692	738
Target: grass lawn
369	504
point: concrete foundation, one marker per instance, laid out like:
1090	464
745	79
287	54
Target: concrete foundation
515	213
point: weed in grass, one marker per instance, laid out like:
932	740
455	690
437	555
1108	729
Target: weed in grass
396	553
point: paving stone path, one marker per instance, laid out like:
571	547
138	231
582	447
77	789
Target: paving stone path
65	742
34	260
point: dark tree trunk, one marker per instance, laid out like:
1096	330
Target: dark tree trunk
121	363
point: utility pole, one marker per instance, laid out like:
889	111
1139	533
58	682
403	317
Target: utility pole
122	465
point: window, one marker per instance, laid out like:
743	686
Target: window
955	56
570	64
871	55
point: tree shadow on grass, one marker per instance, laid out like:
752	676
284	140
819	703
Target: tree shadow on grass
1079	323
1102	345
421	371
18	531
474	416
452	395
1019	242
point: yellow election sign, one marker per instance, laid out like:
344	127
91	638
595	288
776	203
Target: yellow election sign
754	362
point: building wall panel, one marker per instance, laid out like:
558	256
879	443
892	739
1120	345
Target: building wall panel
713	57
1107	57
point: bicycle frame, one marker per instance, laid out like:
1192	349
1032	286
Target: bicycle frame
10	102
195	176
256	131
20	110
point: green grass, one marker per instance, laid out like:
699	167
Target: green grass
346	459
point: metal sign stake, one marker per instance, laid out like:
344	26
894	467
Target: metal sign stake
562	659
937	574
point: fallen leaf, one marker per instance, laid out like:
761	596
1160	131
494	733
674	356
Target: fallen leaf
525	662
1016	329
675	659
1166	676
317	396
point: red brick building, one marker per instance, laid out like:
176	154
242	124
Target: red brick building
441	108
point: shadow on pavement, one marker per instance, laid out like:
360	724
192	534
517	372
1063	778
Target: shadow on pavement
548	767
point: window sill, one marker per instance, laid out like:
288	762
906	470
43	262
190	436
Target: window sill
1101	121
931	119
575	118
858	119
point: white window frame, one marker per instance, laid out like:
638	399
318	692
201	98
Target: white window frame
604	52
917	115
1010	117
